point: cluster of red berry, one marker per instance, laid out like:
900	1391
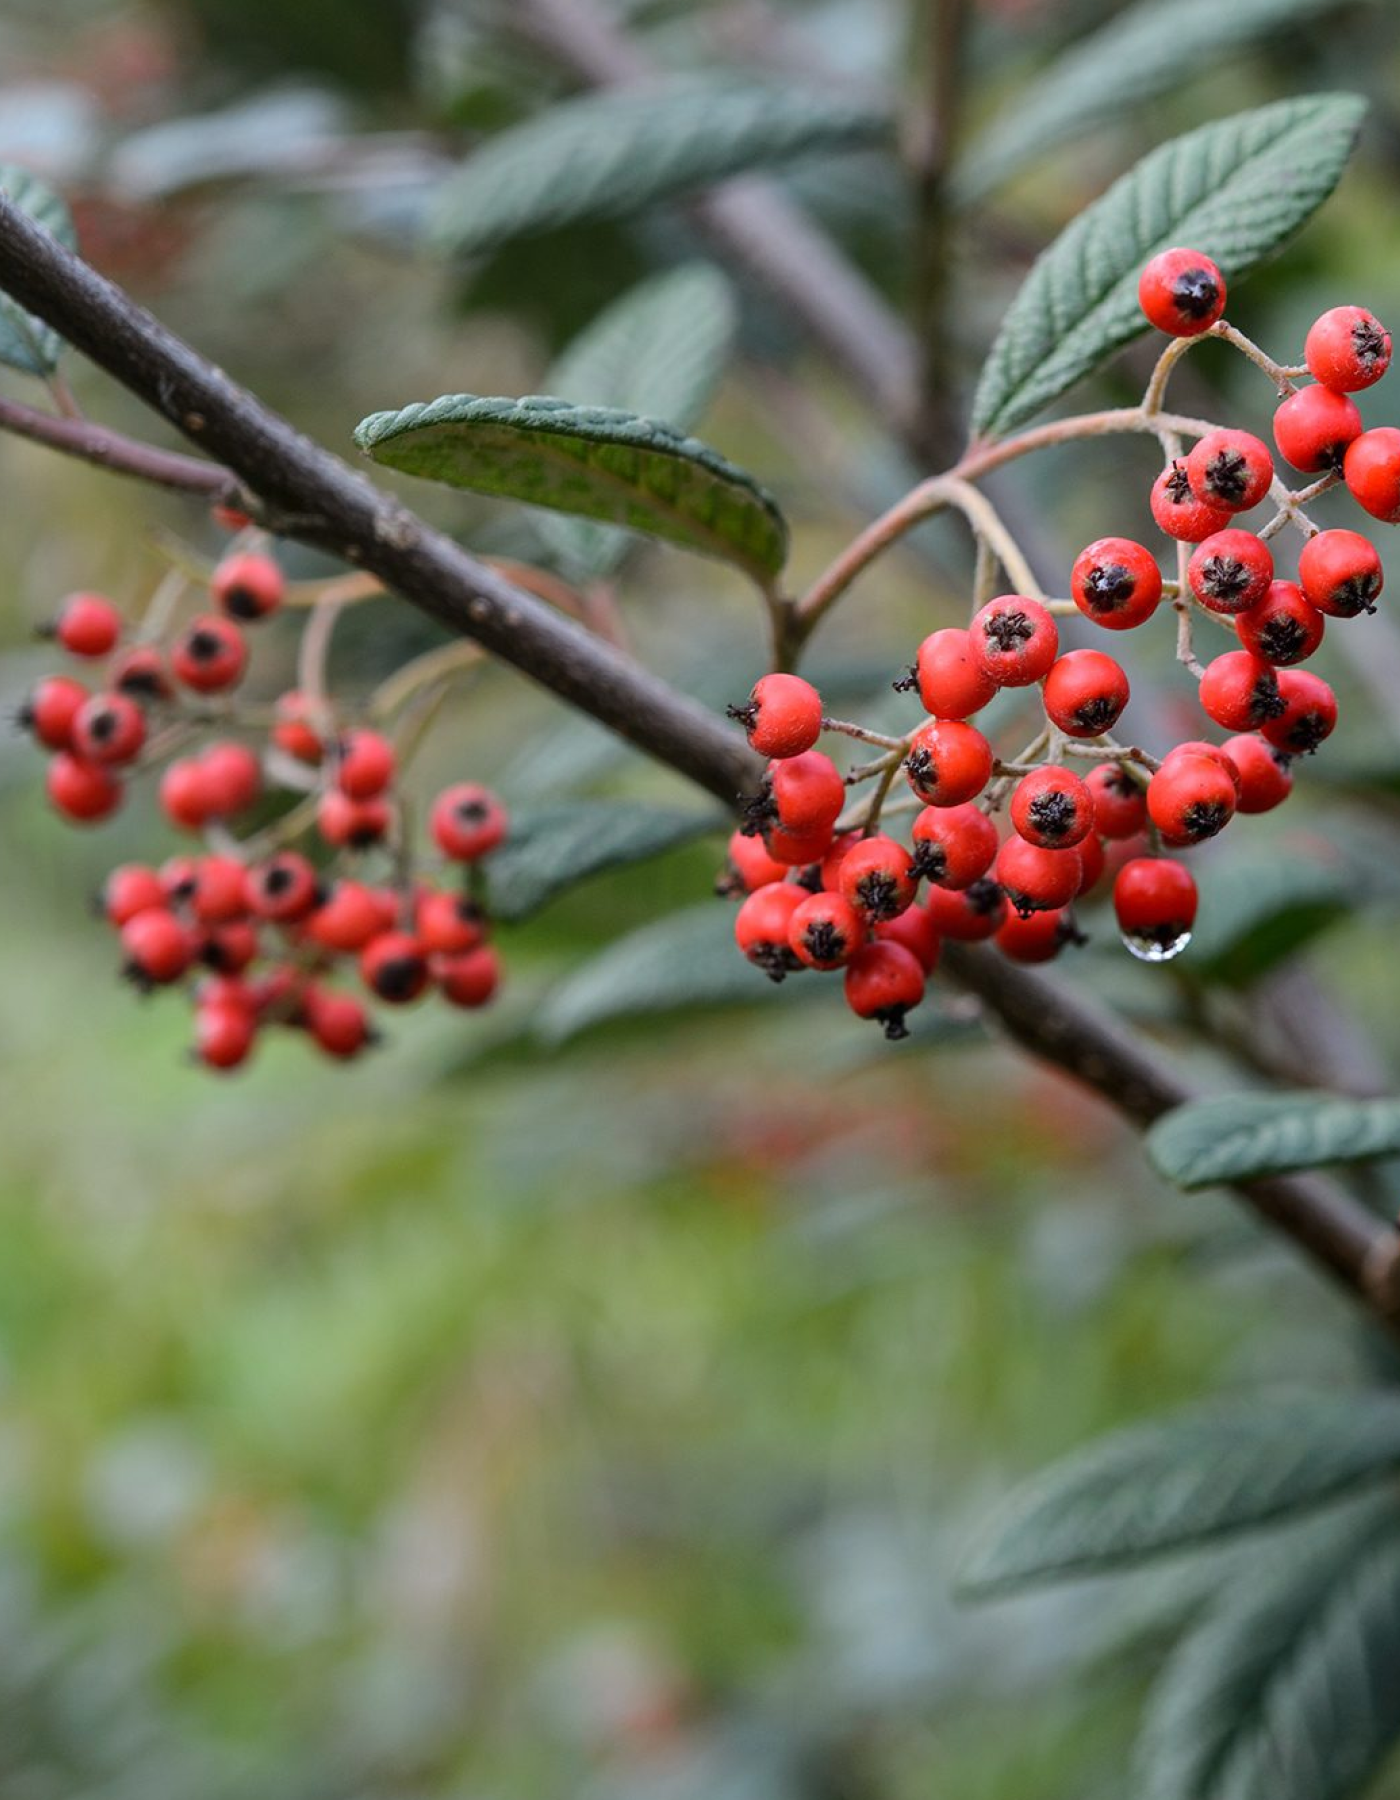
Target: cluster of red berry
828	889
251	927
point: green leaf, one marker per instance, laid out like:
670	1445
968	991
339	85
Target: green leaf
612	153
1158	1488
659	351
26	342
550	848
1260	907
1234	189
1145	51
591	461
1237	1137
688	958
1291	1689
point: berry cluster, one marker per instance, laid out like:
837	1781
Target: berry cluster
824	886
252	926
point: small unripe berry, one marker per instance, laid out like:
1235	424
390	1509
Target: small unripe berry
1014	640
1085	693
1230	469
1052	807
1340	573
783	715
1230	571
82	791
948	762
884	981
1347	348
86	625
1182	292
1283	629
248	587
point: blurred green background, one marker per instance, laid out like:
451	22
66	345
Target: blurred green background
493	1418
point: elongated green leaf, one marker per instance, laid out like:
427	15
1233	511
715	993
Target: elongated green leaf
1157	1488
552	847
592	461
658	351
1234	189
1260	907
25	342
1145	50
1235	1137
1291	1690
613	153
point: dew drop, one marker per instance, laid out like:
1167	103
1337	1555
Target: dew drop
1147	947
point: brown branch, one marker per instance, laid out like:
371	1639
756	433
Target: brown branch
122	455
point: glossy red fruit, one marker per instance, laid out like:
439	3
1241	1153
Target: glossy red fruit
1347	348
184	794
346	919
1190	799
829	869
952	684
1092	860
224	1035
1266	775
83	792
1179	513
1313	427
86	625
109	729
968	915
1230	469
884	981
1052	807
366	764
1014	640
782	716
141	673
129	889
1039	937
1116	583
219	890
1182	292
232	778
1155	902
1283	629
284	888
1085	693
248	587
761	928
953	845
49	712
1309	713
1120	803
448	924
797	849
394	966
804	794
230	948
1340	573
1230	571
352	824
825	931
917	932
293	731
210	655
748	865
467	821
1239	691
338	1023
1372	471
877	879
157	948
1036	879
948	762
467	978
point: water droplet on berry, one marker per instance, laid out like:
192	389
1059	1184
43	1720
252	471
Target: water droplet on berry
1152	947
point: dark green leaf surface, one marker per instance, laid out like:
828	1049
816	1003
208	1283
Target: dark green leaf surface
1291	1689
658	351
616	152
1262	906
1157	1488
1235	189
1146	50
1234	1137
595	462
552	847
26	343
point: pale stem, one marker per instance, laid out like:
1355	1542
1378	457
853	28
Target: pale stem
312	656
433	665
169	592
864	734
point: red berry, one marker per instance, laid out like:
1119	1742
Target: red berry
967	914
1179	513
129	889
1230	469
284	888
1340	573
953	845
1309	713
1230	571
467	821
224	1035
1085	693
952	684
1190	799
141	673
82	791
347	918
157	947
1313	427
184	794
804	794
232	778
1212	753
1239	691
825	931
748	866
761	928
1283	629
338	1023
220	891
294	732
917	932
877	878
87	625
210	655
109	729
229	518
467	977
247	587
352	824
948	762
832	858
1052	807
1116	583
449	924
1014	640
1092	859
1155	900
230	948
1266	778
366	765
1372	470
1182	292
1036	879
797	849
1347	348
394	967
783	715
884	981
50	710
1120	804
1037	937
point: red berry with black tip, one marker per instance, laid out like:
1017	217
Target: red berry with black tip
1052	807
394	966
284	889
1309	713
1014	640
467	821
366	764
1340	573
761	928
1182	292
157	947
1283	629
348	824
248	587
1037	937
1371	469
1085	693
1120	803
83	792
804	794
1190	799
1178	511
884	981
1313	427
1155	901
1037	879
467	978
948	762
1347	348
346	919
952	684
141	672
877	878
1266	774
968	915
49	712
210	655
109	729
953	845
230	948
782	716
449	924
1116	582
1230	571
86	625
748	865
1240	691
1230	469
825	931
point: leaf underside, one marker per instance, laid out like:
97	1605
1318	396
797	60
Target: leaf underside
1238	1137
26	343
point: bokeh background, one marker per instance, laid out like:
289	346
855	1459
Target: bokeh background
502	1417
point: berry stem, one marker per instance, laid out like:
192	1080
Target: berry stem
865	735
434	665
